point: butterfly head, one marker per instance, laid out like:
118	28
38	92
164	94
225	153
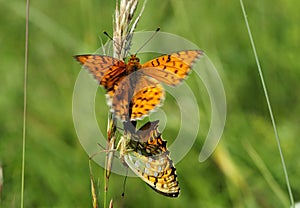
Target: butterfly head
133	59
134	63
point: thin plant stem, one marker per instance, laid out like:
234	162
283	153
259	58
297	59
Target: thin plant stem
111	130
93	189
105	179
105	192
24	105
265	172
92	180
1	182
268	104
106	163
122	36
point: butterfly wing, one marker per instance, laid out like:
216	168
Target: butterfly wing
148	130
149	158
136	96
171	69
107	70
157	171
148	97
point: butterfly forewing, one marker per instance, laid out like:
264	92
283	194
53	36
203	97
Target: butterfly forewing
107	70
171	69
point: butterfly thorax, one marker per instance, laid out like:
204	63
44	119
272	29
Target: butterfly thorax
133	64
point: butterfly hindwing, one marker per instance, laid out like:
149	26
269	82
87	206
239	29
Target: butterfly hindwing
136	96
149	95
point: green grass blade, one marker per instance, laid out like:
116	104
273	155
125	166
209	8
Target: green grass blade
268	103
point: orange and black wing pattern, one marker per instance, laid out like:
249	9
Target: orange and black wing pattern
147	156
172	69
107	70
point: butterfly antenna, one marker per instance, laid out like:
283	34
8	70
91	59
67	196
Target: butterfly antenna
105	33
100	145
114	42
158	29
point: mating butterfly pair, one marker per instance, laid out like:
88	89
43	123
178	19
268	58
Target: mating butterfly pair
133	91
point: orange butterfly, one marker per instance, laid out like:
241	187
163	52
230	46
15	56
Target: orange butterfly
134	89
146	154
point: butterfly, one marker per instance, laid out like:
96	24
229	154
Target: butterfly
146	154
134	89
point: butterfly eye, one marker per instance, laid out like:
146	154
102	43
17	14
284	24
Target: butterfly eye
137	59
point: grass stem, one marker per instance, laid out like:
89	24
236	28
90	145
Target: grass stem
269	104
24	104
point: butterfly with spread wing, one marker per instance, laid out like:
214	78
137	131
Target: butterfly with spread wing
134	89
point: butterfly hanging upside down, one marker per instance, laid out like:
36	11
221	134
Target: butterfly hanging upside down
146	154
134	89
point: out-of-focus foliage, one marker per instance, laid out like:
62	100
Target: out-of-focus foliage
244	171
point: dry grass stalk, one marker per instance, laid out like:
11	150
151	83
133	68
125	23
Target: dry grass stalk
124	26
111	204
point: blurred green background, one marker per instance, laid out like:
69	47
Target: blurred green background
244	171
